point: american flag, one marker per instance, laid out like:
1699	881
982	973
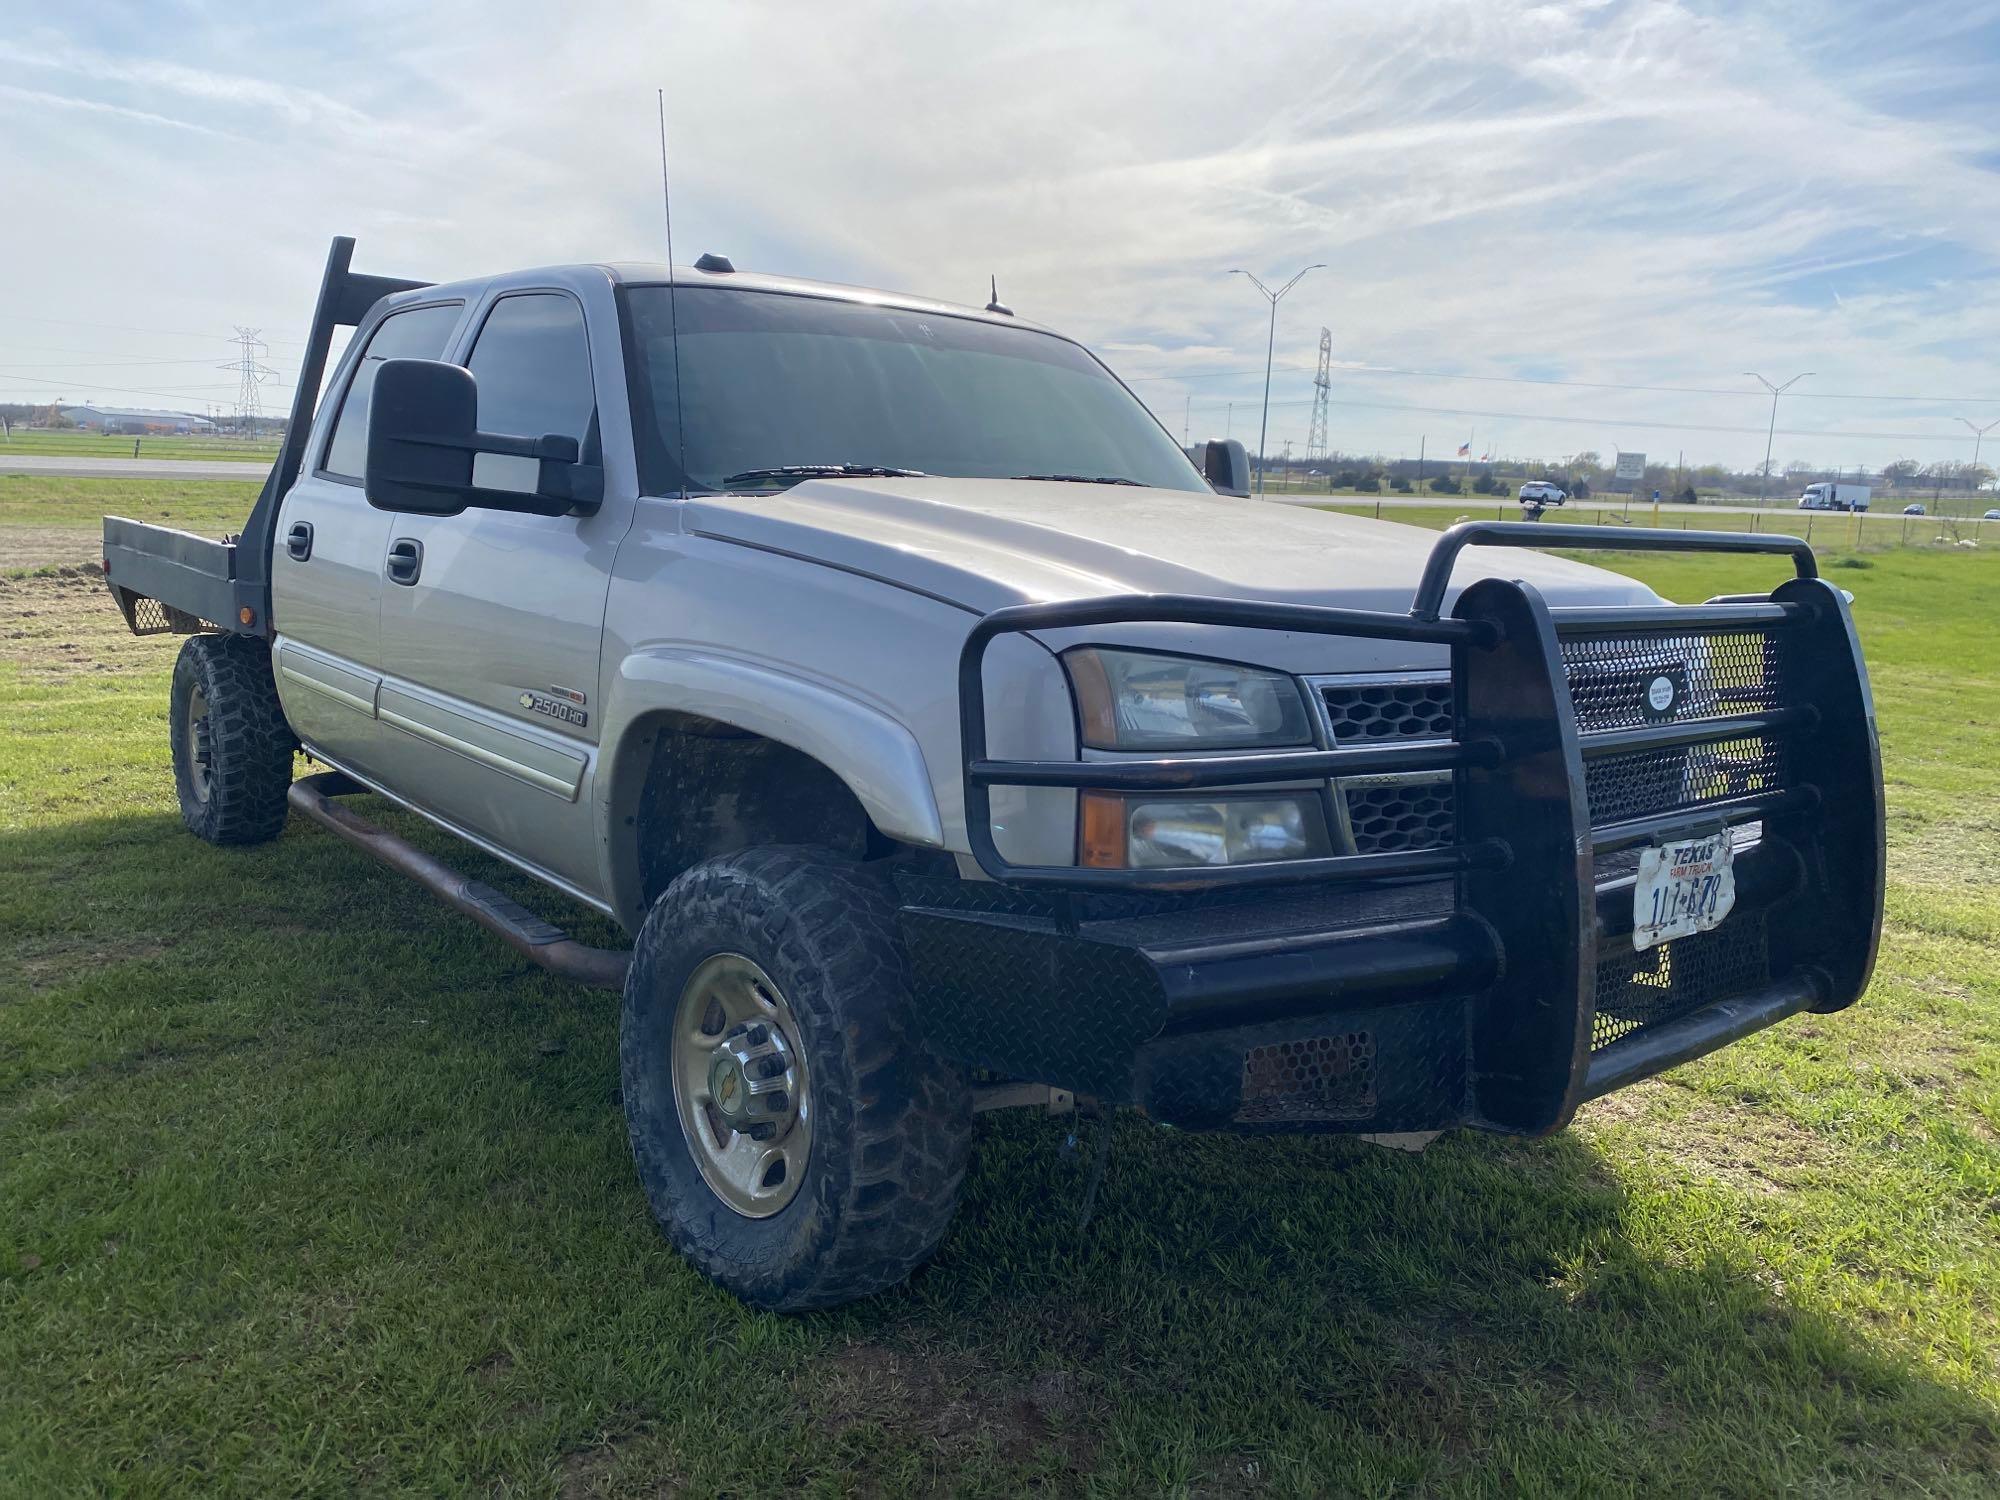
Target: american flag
1465	450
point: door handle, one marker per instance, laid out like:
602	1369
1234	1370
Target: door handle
299	541
406	560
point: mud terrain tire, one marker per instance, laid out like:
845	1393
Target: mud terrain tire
891	1122
232	747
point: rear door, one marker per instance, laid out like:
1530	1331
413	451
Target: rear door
326	567
491	650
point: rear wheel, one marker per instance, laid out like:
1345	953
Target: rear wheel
796	1139
232	747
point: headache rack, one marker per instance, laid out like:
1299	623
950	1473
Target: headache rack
1528	977
164	579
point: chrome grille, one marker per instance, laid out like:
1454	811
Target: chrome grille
1390	814
1365	708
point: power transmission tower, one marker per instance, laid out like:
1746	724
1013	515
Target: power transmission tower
1322	382
251	372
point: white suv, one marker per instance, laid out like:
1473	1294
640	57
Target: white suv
1544	492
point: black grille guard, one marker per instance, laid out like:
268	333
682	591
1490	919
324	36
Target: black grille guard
1531	917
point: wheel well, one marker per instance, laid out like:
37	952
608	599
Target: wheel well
712	788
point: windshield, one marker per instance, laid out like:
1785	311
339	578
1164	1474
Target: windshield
770	382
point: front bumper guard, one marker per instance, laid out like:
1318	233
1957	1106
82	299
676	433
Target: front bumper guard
1504	995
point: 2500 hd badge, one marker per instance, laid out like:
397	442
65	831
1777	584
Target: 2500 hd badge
555	707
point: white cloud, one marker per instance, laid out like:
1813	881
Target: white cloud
1619	192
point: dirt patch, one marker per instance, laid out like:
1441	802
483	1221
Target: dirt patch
586	1472
1753	1150
59	960
955	1401
61	625
32	547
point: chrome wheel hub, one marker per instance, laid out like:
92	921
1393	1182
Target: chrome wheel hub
201	751
751	1080
740	1085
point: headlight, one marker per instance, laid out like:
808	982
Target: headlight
1135	700
1146	831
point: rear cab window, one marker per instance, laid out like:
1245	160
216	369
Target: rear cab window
414	333
532	361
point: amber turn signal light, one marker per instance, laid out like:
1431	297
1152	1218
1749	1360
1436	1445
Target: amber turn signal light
1100	830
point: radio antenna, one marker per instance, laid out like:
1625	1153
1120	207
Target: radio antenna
673	309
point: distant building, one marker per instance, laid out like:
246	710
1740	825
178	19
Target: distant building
134	419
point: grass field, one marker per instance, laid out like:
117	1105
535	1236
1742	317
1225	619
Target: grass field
76	444
309	1188
1854	531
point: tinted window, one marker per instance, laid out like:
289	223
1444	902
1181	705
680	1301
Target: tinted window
533	365
420	333
767	380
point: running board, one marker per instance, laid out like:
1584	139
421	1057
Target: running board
538	941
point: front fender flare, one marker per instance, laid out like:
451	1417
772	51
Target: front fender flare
877	757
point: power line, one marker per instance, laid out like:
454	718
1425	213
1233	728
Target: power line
122	364
179	333
169	392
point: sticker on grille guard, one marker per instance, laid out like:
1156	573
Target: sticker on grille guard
1684	887
1662	693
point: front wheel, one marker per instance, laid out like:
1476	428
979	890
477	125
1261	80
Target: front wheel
796	1139
232	747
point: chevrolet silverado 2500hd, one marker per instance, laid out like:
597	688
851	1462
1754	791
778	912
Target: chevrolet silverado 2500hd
945	737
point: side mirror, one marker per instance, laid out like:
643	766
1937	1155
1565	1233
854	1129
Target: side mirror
1226	467
426	455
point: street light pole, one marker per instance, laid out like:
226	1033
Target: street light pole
1270	345
1764	484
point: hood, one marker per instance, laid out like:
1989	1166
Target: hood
986	543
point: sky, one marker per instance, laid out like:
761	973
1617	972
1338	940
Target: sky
1524	211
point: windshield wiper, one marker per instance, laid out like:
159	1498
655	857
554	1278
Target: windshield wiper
824	471
1083	479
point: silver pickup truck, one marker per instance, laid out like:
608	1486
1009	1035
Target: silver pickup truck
947	737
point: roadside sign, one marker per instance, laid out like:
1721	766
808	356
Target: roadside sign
1631	465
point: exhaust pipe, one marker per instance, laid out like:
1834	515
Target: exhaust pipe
534	939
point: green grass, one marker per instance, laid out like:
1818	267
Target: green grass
51	522
310	1188
1856	531
72	444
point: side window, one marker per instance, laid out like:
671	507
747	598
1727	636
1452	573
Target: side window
420	333
533	365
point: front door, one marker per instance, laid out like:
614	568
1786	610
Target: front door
492	621
326	565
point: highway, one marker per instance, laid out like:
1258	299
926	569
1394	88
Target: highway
83	467
1583	511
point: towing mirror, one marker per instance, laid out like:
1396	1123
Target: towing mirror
426	455
1225	466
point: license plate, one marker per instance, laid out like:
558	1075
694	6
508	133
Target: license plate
1684	887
